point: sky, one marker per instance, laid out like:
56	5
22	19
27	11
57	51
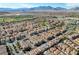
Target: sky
39	1
30	5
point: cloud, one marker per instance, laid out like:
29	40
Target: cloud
15	5
71	5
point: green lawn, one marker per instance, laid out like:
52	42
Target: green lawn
15	18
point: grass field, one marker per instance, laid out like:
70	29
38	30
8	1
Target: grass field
15	18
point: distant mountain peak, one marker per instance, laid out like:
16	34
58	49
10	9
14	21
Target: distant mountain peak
35	8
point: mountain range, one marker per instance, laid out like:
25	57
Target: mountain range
35	8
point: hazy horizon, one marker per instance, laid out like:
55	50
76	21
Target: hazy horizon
30	5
